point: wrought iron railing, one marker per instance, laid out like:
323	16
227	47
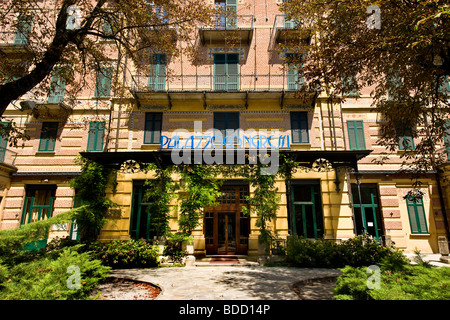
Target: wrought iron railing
222	83
229	22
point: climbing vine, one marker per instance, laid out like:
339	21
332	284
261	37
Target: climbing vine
90	188
160	192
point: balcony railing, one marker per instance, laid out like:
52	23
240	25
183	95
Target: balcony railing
222	83
13	42
7	156
284	29
229	22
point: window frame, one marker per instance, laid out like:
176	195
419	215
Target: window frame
44	141
94	132
302	118
152	130
353	132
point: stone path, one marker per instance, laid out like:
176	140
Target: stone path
225	282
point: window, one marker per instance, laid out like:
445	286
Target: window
416	214
227	20
293	78
356	135
157	77
445	86
146	221
366	211
57	89
447	139
3	141
153	123
38	204
307	209
406	140
350	81
48	136
24	26
226	72
103	84
394	83
226	122
299	127
96	136
289	24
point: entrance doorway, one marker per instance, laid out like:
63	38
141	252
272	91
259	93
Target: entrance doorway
226	228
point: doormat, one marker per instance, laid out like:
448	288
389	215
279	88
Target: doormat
230	259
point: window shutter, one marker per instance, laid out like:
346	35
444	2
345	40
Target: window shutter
157	77
3	145
24	27
48	136
445	86
356	135
103	85
219	72
416	214
96	136
57	89
293	79
447	139
232	22
232	72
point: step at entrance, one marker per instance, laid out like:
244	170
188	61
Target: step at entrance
225	260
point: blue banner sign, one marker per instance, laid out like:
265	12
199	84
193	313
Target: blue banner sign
233	141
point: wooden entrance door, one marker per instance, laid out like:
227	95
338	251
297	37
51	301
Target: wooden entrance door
226	228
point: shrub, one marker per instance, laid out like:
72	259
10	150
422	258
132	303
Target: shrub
174	248
47	278
359	251
126	254
411	283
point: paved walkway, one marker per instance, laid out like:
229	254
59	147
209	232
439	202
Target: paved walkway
225	282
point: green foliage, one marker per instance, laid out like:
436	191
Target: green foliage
412	283
264	201
47	278
126	254
358	251
14	240
200	190
90	187
160	192
174	248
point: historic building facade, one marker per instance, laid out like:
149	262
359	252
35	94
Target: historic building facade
340	192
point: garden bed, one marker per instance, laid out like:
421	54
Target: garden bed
126	289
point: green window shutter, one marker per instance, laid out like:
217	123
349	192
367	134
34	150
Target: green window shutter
96	136
157	77
103	84
350	81
3	145
289	24
232	71
232	22
48	136
445	86
293	78
395	81
153	125
220	71
57	89
447	139
25	24
356	135
299	127
417	216
406	140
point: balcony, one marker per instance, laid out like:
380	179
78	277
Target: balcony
237	29
288	89
287	30
7	160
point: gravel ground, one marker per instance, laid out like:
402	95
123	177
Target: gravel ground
125	289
